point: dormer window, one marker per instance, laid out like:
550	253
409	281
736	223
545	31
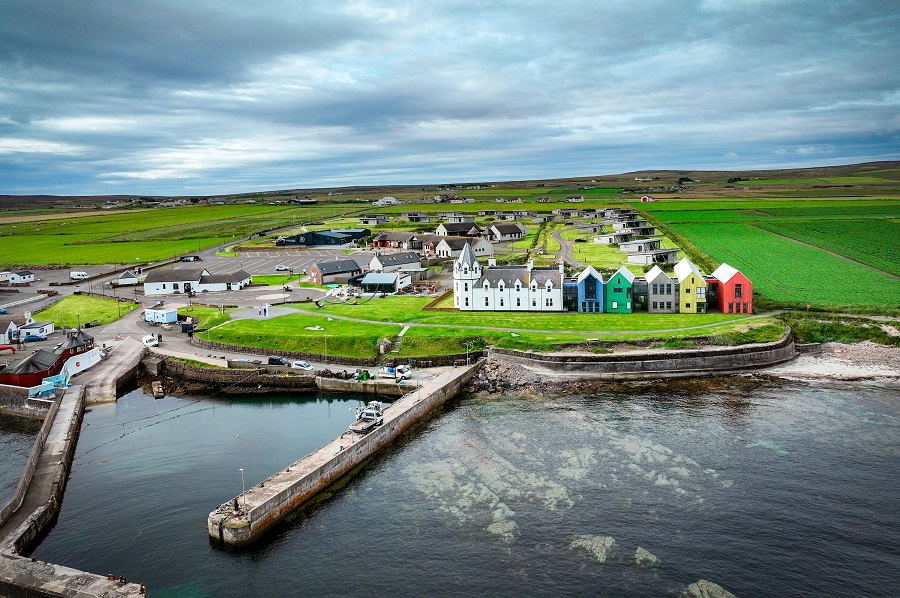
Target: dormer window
500	285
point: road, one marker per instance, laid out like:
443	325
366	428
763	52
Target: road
565	249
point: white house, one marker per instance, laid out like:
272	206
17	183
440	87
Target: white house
32	327
8	330
21	277
182	280
505	288
453	247
374	219
386	201
507	231
393	261
127	277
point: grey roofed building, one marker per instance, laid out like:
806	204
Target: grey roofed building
39	361
175	275
458	229
230	278
395	260
524	274
337	267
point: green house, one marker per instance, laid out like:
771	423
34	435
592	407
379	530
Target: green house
617	292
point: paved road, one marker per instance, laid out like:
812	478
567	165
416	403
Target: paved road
565	249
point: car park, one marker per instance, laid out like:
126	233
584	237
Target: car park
278	360
302	365
33	338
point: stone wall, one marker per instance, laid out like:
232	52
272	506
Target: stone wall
330	359
14	401
660	364
237	378
10	507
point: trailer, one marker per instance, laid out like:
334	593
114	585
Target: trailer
161	315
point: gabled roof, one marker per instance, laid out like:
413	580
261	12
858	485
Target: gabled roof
34	325
175	275
467	257
589	271
399	237
128	274
455	243
684	268
460	227
397	259
626	273
39	361
654	273
506	228
337	267
79	339
724	273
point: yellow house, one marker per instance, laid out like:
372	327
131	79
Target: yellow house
692	288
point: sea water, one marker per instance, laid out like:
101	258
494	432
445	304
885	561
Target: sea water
762	486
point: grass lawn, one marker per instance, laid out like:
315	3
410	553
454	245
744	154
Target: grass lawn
289	333
409	310
274	279
67	311
209	316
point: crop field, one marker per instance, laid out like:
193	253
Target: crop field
871	242
140	235
784	270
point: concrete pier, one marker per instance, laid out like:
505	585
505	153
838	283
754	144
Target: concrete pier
20	576
102	381
264	505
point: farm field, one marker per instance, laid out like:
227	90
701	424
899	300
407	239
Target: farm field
784	270
141	235
869	242
841	179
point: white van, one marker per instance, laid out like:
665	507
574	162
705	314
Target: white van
150	341
79	275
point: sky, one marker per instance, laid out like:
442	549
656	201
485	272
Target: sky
218	96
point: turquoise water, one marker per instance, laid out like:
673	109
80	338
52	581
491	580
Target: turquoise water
765	487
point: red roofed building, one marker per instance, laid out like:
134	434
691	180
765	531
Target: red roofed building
735	293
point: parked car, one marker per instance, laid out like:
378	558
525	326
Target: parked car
2	310
301	365
33	338
150	341
278	360
281	268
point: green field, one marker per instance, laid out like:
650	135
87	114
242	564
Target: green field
141	235
82	308
871	242
842	179
784	270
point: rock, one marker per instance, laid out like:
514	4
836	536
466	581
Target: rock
645	558
707	589
600	547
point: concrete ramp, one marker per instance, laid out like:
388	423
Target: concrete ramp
103	380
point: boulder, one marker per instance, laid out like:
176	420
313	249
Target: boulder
600	547
707	589
645	558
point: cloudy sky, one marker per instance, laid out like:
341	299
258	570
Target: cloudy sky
220	96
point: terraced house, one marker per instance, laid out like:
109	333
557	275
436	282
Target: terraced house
692	288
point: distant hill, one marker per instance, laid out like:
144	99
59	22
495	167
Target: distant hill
878	173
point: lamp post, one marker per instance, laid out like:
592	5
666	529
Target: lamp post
79	320
242	488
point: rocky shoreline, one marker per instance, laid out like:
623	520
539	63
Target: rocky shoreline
864	361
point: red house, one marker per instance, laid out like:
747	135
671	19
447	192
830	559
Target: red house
32	370
735	294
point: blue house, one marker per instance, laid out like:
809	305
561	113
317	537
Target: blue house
590	291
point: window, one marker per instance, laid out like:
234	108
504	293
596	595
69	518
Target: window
655	290
518	302
617	290
628	292
467	302
465	286
518	287
746	311
534	303
668	305
687	305
486	301
654	305
466	270
668	289
615	305
501	301
701	292
687	290
583	306
731	308
737	291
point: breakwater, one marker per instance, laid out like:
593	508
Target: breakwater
36	505
244	519
656	363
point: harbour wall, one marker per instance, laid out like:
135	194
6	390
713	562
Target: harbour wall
660	364
289	489
14	400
